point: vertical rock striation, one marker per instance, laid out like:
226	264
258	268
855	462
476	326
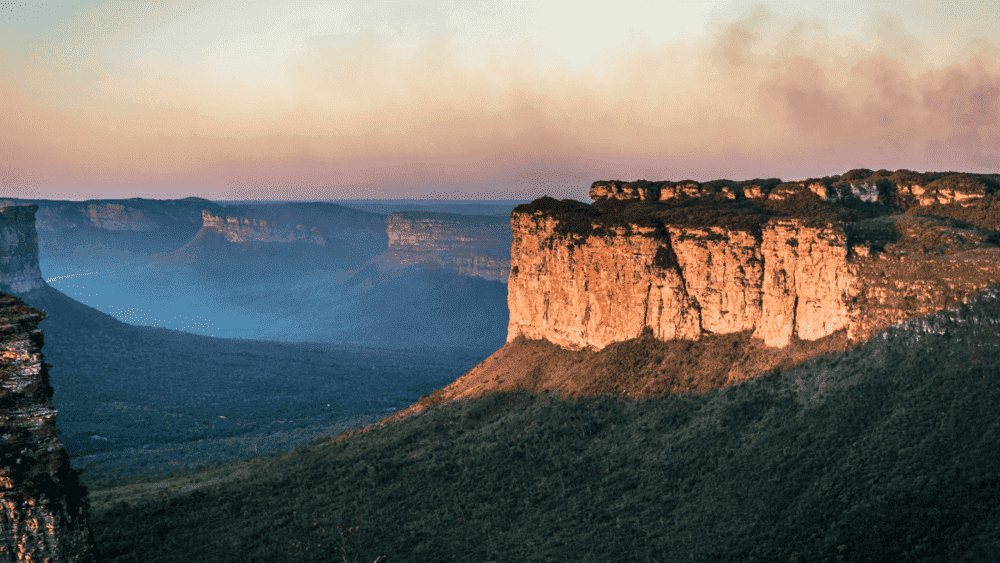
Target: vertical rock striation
472	244
784	261
19	272
246	229
43	507
807	282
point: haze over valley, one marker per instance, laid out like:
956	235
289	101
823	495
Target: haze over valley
491	281
317	272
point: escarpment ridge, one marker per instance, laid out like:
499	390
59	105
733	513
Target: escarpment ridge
473	245
672	287
798	260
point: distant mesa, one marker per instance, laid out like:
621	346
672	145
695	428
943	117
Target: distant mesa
472	245
117	217
245	229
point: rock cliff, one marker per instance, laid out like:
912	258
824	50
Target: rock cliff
785	261
118	217
318	234
19	270
43	507
141	226
473	245
678	287
245	229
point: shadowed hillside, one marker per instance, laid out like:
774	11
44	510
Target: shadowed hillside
884	453
138	400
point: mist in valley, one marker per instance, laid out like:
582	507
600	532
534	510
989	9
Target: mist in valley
172	346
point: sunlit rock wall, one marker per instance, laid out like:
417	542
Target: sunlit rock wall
583	285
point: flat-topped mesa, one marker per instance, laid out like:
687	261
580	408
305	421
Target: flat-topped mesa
247	229
783	261
43	507
472	244
19	271
118	217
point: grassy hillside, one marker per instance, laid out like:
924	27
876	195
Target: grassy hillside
888	452
134	400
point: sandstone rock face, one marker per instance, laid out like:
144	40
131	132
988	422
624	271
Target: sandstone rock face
584	277
245	229
591	292
473	245
43	508
722	271
807	282
19	270
587	293
117	217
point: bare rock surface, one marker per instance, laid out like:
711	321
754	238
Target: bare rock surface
793	260
19	271
43	508
473	245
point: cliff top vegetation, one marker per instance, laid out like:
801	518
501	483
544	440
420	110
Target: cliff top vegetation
855	196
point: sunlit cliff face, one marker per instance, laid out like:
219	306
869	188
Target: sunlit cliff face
688	260
329	100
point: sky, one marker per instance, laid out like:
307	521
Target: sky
484	100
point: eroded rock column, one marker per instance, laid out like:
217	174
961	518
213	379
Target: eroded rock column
43	507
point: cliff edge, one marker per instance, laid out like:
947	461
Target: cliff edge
674	287
782	261
474	245
19	271
43	507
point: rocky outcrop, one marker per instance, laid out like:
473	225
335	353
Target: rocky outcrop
19	272
474	245
785	261
43	507
807	282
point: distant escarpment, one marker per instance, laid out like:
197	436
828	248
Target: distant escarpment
322	233
136	225
472	245
43	507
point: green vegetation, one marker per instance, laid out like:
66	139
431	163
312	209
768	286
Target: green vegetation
888	452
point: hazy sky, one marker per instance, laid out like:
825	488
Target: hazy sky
307	99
